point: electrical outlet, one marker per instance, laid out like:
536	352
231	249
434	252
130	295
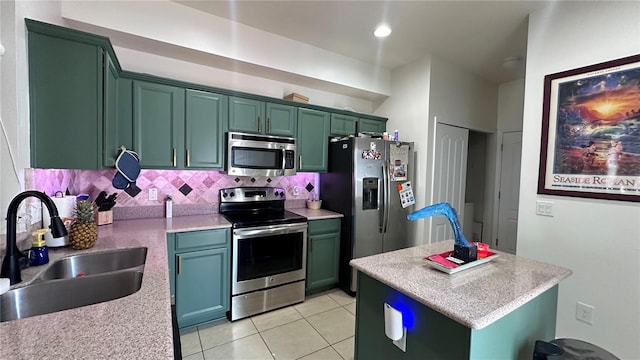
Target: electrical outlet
153	194
584	313
296	190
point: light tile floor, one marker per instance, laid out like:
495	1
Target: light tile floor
321	328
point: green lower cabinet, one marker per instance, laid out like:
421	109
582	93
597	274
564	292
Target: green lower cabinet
199	269
432	335
313	140
368	125
323	253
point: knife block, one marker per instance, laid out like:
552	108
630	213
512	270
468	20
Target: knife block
105	217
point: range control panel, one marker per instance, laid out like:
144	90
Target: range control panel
246	194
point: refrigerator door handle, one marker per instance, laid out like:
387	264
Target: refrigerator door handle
382	202
385	198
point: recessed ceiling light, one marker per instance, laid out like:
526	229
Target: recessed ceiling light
382	31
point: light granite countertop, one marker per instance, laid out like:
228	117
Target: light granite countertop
137	326
475	297
318	214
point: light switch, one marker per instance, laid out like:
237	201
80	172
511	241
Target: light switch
544	208
153	194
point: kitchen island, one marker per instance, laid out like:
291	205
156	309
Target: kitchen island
494	311
137	326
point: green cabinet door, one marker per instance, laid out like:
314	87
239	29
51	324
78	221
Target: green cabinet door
343	125
323	254
246	115
66	100
110	146
281	120
368	125
158	118
313	140
205	120
202	286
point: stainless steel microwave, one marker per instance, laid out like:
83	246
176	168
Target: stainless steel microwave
260	155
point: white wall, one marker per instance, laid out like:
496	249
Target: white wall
197	32
138	61
14	98
510	107
408	111
598	240
462	99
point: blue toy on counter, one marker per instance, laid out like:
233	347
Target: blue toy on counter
463	250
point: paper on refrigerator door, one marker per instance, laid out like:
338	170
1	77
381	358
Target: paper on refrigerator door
398	162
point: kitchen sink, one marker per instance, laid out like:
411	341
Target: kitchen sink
57	295
95	263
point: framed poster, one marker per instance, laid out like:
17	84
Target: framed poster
591	132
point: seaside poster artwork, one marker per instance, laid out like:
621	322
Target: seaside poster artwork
591	132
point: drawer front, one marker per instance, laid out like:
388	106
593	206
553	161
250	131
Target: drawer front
324	226
200	239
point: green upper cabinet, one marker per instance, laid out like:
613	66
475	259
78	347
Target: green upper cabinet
206	119
368	125
158	123
110	146
343	125
253	116
281	120
245	115
66	102
313	140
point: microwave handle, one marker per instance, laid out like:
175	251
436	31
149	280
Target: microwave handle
284	158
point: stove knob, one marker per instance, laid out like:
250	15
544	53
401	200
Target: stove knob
282	194
232	194
276	193
224	195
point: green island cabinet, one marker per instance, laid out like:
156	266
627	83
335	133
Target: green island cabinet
177	128
313	140
199	275
254	116
71	89
323	253
432	335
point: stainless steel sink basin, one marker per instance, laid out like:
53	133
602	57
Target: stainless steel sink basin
95	263
57	295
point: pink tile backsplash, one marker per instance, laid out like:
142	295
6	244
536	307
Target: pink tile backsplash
205	185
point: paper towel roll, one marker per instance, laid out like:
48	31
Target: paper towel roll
4	285
65	207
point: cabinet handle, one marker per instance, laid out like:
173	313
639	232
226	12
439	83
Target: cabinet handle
268	125
188	159
174	157
300	162
179	264
259	125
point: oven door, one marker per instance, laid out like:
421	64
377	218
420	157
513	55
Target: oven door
268	256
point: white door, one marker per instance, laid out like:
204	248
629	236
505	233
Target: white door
450	176
509	191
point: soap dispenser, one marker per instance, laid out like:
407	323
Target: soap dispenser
39	254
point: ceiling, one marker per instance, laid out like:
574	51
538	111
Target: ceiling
474	35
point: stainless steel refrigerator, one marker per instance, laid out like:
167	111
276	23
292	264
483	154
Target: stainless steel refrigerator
362	183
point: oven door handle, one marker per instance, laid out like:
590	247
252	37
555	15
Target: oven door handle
270	230
284	157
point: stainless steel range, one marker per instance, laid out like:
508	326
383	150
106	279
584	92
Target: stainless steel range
269	250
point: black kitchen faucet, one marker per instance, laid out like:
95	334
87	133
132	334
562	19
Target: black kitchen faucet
11	262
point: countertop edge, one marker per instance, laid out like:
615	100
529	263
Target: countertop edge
473	322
